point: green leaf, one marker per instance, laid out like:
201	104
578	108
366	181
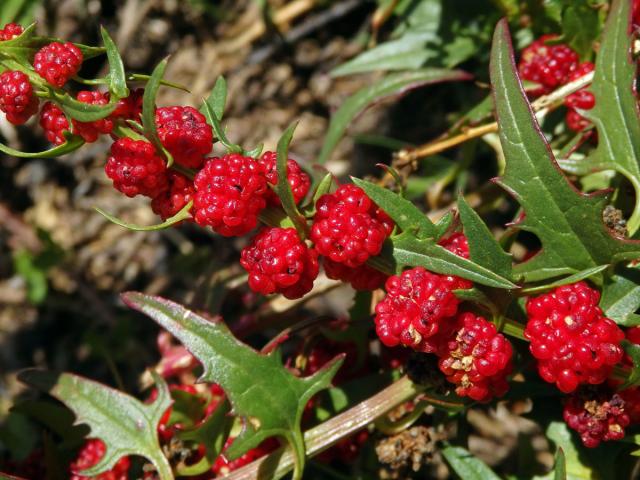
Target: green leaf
324	186
117	76
83	112
183	214
217	99
581	27
212	432
484	249
467	466
283	189
149	110
576	277
559	433
126	425
615	114
633	351
621	297
18	11
406	250
568	223
71	144
444	224
560	467
389	86
403	212
261	390
212	119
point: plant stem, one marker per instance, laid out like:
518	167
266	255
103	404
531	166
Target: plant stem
327	434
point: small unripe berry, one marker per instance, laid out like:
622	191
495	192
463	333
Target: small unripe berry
348	227
299	181
360	278
185	133
172	200
58	62
16	97
230	194
136	169
279	262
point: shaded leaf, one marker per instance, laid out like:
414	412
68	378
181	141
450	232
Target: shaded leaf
403	212
391	85
568	223
615	114
83	112
576	277
466	465
621	297
183	214
71	144
261	390
633	351
560	467
484	249
126	425
559	433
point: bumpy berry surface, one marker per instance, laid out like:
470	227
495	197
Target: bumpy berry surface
172	200
348	227
298	180
418	305
458	244
597	416
582	99
230	194
129	108
54	123
571	339
361	278
547	65
90	454
90	131
184	132
279	262
223	466
16	97
10	31
136	169
477	359
57	62
325	350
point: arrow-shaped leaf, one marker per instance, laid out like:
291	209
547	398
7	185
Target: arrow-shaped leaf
621	297
265	394
126	425
568	223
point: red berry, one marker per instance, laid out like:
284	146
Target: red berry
348	227
547	65
458	244
477	359
136	169
279	262
172	200
571	339
361	278
596	415
633	335
16	97
298	179
325	350
418	305
90	454
10	31
57	62
223	466
582	99
54	123
184	132
90	131
230	194
129	108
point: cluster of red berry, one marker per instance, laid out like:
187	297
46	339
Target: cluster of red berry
550	65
